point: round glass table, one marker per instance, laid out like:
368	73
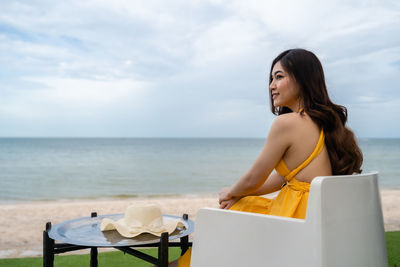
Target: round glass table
84	233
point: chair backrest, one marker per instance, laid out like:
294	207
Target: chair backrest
343	227
346	211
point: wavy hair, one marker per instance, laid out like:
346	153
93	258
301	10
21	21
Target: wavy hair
344	154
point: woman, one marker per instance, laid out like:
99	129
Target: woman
307	139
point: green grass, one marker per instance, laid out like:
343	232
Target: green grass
393	248
119	259
105	259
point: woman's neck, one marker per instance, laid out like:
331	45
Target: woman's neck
297	107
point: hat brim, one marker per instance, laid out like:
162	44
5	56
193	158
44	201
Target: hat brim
123	229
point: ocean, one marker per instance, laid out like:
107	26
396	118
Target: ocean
33	169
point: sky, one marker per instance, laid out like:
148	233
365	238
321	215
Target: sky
126	68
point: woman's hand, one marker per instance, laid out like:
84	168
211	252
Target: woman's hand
226	200
227	204
224	195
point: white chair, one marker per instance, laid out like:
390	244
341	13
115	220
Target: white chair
343	227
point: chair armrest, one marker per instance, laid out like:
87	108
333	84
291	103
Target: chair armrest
232	238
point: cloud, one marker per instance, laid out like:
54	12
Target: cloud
185	68
54	96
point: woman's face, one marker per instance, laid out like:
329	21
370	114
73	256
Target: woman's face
285	91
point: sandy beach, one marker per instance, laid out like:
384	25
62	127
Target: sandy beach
22	224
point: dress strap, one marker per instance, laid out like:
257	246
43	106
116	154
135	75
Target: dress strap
317	150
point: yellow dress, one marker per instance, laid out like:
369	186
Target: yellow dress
290	202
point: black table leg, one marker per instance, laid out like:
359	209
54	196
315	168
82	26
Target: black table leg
93	257
163	250
93	251
184	239
48	247
184	244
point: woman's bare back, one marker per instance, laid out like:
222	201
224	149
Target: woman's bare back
304	137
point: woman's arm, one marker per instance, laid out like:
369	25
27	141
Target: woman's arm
277	143
272	184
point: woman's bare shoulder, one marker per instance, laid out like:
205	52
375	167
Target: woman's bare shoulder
289	121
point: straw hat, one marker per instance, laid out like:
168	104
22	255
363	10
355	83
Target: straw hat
141	218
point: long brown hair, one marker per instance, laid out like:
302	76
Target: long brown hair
344	154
